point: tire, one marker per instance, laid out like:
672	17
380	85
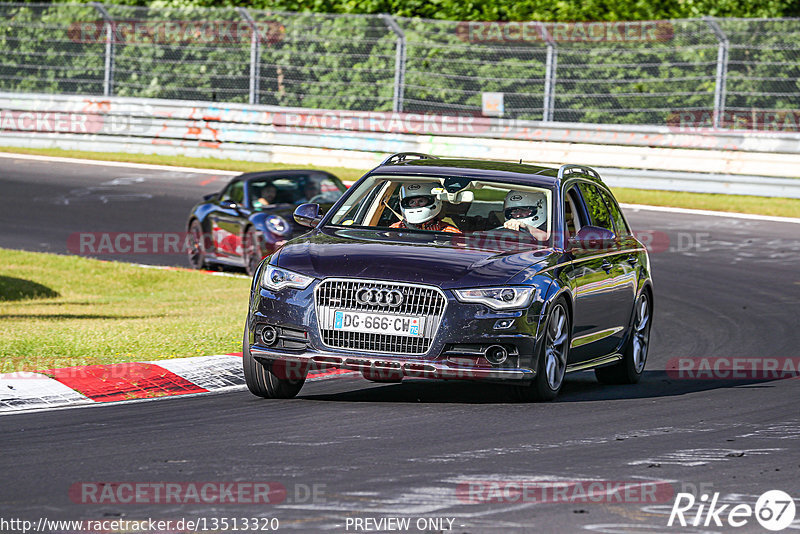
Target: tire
629	370
551	363
251	251
263	382
197	250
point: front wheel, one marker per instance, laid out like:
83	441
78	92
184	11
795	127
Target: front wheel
277	380
196	252
252	251
629	370
552	360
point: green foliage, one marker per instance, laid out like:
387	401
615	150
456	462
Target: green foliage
315	60
521	10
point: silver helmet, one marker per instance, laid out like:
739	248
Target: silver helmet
530	208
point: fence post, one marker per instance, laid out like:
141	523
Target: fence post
722	70
399	62
108	77
550	66
255	54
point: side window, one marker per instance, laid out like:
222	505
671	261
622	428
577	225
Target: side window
572	213
596	207
616	213
234	192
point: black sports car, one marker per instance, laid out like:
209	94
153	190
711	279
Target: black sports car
455	269
252	216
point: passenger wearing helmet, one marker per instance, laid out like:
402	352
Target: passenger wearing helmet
526	211
421	208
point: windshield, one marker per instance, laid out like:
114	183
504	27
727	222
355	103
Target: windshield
457	206
315	188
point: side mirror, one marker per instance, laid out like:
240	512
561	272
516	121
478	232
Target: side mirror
308	215
229	204
592	237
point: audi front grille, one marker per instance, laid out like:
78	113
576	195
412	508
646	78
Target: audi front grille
341	294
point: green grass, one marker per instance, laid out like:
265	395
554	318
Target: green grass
782	207
61	311
343	173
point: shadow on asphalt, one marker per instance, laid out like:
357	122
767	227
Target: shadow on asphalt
579	387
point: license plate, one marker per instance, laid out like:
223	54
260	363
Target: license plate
372	323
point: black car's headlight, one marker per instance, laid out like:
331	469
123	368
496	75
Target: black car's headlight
277	225
498	298
276	278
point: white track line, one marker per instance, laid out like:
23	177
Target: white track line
732	215
100	163
686	211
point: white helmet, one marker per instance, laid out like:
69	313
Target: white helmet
419	203
528	208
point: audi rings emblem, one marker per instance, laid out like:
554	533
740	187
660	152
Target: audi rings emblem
373	296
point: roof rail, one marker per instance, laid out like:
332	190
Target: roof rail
571	168
401	157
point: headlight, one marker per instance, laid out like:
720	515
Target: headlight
275	278
277	225
498	298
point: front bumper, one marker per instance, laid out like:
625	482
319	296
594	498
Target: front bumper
458	350
390	367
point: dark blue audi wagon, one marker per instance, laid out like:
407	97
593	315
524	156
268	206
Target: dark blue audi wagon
455	269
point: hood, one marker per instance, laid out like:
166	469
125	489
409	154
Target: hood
444	261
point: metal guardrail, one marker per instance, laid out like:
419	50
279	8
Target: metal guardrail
640	157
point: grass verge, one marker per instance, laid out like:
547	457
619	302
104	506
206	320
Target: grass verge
61	311
781	207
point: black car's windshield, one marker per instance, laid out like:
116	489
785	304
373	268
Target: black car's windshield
319	189
474	209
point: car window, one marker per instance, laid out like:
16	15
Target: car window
595	205
511	212
234	192
297	189
616	214
573	215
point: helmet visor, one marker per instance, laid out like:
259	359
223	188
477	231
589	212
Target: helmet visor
419	201
521	212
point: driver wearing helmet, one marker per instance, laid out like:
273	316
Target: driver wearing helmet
421	208
526	211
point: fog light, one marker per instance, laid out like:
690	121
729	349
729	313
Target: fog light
268	335
496	354
503	324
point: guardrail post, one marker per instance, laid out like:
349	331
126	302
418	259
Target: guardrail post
722	70
399	62
255	55
550	66
108	77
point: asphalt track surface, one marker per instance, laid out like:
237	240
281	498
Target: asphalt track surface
724	287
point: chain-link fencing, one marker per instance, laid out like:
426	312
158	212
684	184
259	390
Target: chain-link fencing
700	73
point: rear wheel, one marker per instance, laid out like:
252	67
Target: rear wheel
271	381
629	370
552	360
252	251
196	248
